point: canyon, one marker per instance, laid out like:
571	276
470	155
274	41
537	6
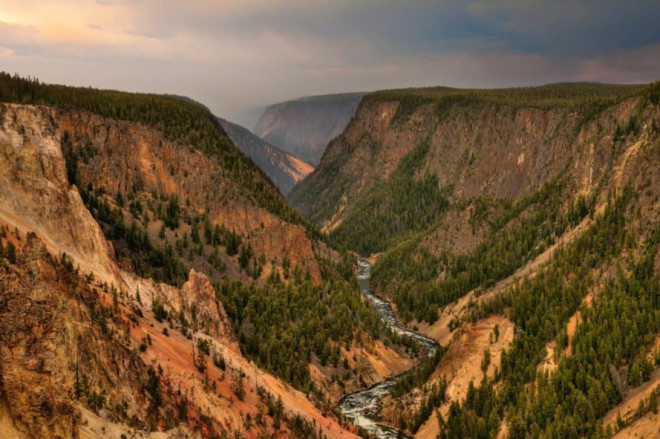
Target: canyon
464	200
110	328
461	263
282	168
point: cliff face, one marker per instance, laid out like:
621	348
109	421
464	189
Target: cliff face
79	359
35	193
479	149
443	170
129	159
50	340
283	169
138	163
90	349
304	127
481	210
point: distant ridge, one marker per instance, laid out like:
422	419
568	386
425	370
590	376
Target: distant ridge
282	168
304	127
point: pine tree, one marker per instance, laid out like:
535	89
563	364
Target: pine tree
11	252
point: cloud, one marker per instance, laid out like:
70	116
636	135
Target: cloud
636	66
234	55
115	2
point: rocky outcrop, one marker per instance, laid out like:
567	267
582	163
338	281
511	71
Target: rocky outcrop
537	165
282	168
79	341
197	302
305	126
33	378
478	147
50	344
70	365
35	193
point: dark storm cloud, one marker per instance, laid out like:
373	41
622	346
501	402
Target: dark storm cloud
571	27
234	55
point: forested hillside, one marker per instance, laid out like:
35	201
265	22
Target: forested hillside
147	199
179	120
536	208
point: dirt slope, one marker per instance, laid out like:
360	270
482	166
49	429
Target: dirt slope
81	355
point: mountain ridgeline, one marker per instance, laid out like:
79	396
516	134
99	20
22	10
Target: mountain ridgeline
499	222
179	120
282	168
304	127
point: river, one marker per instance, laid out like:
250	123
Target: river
362	407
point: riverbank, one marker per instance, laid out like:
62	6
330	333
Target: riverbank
363	408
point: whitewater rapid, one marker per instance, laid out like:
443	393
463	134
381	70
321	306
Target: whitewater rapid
362	407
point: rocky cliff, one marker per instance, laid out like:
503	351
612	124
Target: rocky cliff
442	169
83	359
304	127
283	169
484	211
56	350
501	145
87	347
35	193
138	164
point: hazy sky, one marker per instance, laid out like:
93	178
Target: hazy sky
235	56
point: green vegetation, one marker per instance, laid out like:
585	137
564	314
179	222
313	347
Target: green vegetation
587	98
284	327
132	243
305	196
434	397
608	350
180	120
420	375
300	427
156	256
422	282
408	203
653	93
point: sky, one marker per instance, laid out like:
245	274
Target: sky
236	56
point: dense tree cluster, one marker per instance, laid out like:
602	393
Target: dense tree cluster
421	282
420	375
608	350
587	99
161	258
394	211
132	242
284	327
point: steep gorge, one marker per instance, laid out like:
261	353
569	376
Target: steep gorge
438	171
91	349
284	169
176	252
505	206
304	127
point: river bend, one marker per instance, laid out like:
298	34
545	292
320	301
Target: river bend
362	407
